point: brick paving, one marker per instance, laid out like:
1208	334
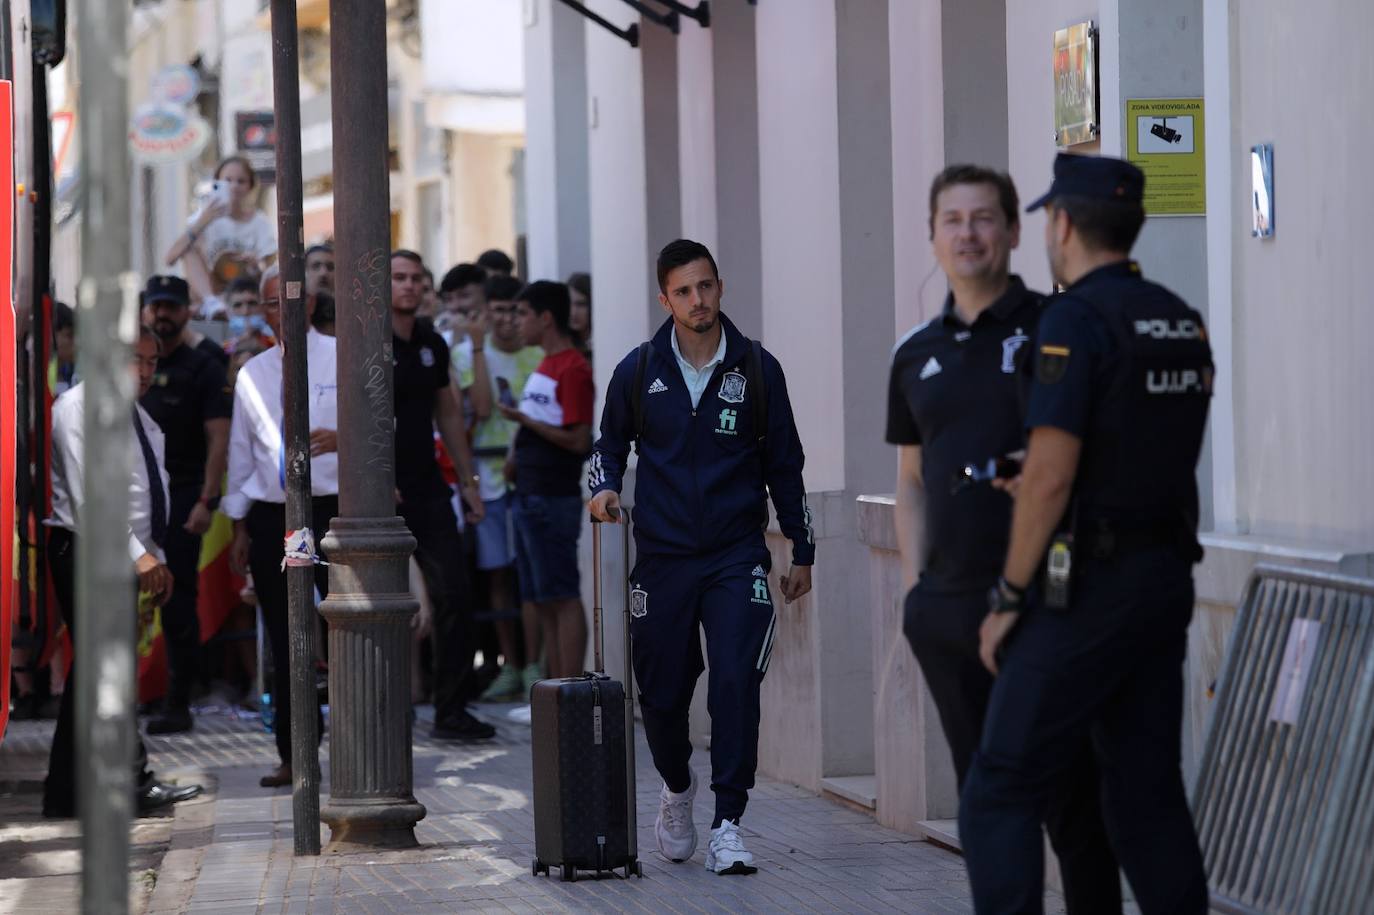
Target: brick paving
231	851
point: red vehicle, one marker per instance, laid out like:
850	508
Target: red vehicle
32	39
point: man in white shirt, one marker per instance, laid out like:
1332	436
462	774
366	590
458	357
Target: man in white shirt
146	532
256	493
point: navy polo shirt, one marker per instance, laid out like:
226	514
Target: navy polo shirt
189	388
420	371
955	390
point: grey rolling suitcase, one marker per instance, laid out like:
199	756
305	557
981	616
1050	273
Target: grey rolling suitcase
582	740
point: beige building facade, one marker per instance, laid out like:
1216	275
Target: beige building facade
798	140
455	123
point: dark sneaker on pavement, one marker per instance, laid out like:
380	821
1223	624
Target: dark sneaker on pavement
727	854
462	727
171	721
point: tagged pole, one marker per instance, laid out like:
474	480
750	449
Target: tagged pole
300	579
105	631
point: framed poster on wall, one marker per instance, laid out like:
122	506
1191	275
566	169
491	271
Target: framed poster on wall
1076	118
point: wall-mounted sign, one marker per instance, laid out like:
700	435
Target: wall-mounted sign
1164	138
178	84
162	134
1075	85
255	133
1262	190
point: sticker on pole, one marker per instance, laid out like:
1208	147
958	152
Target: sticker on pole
300	550
1293	673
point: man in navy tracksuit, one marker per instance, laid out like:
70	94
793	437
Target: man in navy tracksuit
706	468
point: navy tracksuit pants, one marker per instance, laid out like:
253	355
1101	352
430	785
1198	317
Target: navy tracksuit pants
674	598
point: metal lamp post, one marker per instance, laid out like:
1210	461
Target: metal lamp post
371	800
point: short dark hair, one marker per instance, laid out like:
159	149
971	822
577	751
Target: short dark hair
62	317
502	288
581	283
462	275
550	296
1104	224
680	253
977	174
408	255
244	283
325	248
496	260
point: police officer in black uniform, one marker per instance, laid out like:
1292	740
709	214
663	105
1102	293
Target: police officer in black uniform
191	402
425	402
954	401
1088	625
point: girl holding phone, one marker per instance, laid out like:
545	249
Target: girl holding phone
227	238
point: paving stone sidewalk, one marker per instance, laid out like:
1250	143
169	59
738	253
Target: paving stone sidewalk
231	852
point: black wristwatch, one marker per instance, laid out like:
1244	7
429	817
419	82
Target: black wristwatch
1005	597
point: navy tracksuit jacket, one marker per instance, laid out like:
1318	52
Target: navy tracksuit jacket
700	510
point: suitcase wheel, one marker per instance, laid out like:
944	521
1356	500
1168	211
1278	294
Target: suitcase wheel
569	873
539	867
634	869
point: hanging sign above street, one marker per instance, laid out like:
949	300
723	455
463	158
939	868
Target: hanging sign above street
162	134
178	84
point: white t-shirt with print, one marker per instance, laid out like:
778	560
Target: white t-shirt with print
233	247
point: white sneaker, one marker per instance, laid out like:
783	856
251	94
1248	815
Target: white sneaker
727	854
674	829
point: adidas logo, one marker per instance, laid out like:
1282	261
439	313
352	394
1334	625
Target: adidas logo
931	368
658	387
759	572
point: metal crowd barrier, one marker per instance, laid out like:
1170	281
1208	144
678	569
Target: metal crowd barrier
1284	800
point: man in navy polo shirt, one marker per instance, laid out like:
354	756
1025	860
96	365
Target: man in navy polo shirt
425	401
705	472
191	402
954	400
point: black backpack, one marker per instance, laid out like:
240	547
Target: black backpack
753	375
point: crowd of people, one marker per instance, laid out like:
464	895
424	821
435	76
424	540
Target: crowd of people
493	401
1046	512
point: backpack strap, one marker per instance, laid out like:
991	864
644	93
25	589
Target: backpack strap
758	392
637	392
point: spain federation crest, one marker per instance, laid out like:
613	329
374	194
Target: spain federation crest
639	603
732	388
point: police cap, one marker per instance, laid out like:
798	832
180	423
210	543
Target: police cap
167	289
1093	176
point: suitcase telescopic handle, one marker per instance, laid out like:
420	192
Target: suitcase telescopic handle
598	601
629	681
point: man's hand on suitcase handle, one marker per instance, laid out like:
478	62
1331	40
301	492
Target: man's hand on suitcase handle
605	506
796	583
